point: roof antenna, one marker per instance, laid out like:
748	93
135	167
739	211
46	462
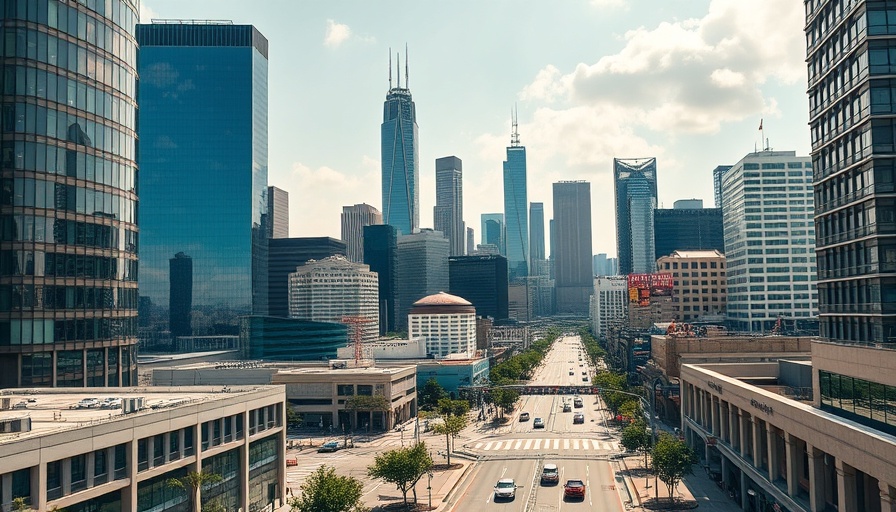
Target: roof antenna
407	82
514	134
398	74
390	69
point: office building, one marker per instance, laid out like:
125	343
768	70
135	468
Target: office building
699	286
180	296
380	254
67	452
422	270
717	174
536	239
493	231
289	339
446	323
284	255
203	168
471	243
331	289
400	157
767	207
516	204
452	374
482	280
635	182
610	303
354	218
448	213
69	247
573	280
278	213
687	226
603	266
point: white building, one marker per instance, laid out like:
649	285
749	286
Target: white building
354	218
767	212
332	288
446	323
609	303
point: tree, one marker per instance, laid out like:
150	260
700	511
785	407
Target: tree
631	409
430	395
191	483
505	398
635	437
325	491
450	428
377	403
20	505
672	460
402	467
453	407
293	418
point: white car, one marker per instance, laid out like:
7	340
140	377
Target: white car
505	489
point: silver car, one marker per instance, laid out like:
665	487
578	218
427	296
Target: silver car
505	489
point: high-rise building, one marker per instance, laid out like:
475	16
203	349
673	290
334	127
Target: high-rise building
448	213
333	288
635	181
536	238
69	202
203	167
400	157
717	174
180	297
422	269
278	213
688	226
482	280
284	255
603	266
573	280
381	254
445	323
354	218
471	242
493	231
767	207
516	208
699	284
610	304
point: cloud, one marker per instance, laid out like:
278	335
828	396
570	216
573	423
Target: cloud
337	33
146	13
320	193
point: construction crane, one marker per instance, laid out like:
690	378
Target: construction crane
356	324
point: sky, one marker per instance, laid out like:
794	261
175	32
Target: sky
685	81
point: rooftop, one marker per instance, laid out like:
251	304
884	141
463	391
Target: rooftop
344	371
696	254
442	299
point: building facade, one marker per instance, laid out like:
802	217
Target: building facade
448	213
687	229
204	169
69	171
767	207
603	266
446	323
635	181
516	208
493	231
471	241
180	297
717	174
278	213
536	238
400	158
354	218
289	339
573	280
330	289
482	280
381	255
699	286
609	304
422	269
284	255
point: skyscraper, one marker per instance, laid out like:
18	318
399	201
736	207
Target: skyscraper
717	174
180	297
284	255
516	203
536	234
354	218
204	167
381	254
69	202
493	231
448	213
471	241
635	181
482	280
687	226
572	264
421	270
278	213
400	156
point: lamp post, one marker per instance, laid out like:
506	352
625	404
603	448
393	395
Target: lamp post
649	412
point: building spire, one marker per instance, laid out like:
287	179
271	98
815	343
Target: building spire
514	133
407	82
398	74
390	69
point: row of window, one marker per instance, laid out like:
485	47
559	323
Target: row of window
868	402
39	263
26	228
36	297
38	331
37	368
37	193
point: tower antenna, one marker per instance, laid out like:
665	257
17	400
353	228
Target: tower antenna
398	73
390	69
514	133
407	82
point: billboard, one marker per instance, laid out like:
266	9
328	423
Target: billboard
641	287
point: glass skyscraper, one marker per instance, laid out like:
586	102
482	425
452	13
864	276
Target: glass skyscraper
635	181
493	231
204	162
536	236
68	207
448	213
516	209
400	158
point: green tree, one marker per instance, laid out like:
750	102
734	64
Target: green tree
293	418
505	398
325	491
631	408
367	403
447	406
636	437
402	467
430	395
191	483
20	505
450	428
672	460
610	382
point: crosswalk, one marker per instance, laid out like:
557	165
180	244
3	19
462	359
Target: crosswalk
547	444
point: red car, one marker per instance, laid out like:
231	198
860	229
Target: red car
574	489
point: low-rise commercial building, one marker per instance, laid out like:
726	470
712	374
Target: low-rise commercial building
452	374
699	286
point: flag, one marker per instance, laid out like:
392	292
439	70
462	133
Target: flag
760	124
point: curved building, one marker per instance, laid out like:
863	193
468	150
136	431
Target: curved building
447	323
68	207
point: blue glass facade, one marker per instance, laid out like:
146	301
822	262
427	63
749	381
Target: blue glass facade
68	197
400	162
203	156
516	212
288	339
493	231
635	181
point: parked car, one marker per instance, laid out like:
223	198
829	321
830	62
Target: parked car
566	407
87	403
20	405
577	402
505	489
538	423
574	489
331	446
578	418
550	475
524	416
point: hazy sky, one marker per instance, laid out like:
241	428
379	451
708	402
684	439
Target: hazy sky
685	81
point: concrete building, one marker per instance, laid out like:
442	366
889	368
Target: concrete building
354	218
422	270
389	349
446	323
284	255
699	286
333	288
571	250
609	304
448	213
70	450
278	213
471	243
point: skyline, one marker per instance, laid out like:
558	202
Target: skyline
686	82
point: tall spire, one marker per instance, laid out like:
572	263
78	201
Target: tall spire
407	82
514	133
390	69
398	75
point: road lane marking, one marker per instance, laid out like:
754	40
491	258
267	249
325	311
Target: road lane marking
575	444
566	444
488	446
537	444
556	444
517	446
528	444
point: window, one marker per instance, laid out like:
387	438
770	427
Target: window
345	389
